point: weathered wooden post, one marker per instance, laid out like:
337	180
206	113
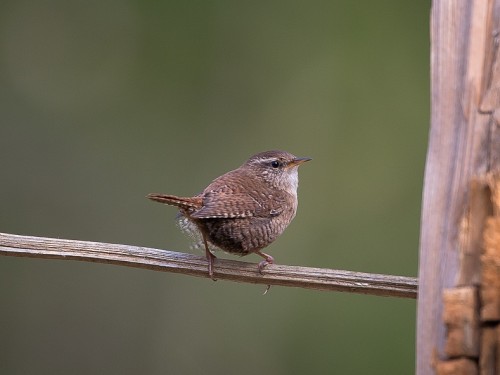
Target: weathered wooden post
458	318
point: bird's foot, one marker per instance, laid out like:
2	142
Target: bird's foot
210	259
268	259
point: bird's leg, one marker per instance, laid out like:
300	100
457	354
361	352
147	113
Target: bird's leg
268	259
210	259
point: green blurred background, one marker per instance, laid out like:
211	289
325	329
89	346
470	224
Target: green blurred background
104	102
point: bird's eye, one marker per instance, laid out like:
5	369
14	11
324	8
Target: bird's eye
275	164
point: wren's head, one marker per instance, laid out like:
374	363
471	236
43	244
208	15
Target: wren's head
278	168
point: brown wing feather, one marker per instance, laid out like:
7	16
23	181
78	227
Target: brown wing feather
235	198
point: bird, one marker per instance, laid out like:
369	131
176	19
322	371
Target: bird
244	210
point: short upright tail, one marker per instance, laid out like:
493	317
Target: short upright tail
173	200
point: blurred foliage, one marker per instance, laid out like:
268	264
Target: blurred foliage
104	102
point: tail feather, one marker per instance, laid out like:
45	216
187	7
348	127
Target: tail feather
173	200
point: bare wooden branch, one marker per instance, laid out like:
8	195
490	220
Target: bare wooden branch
188	264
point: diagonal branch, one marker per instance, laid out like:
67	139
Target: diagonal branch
188	264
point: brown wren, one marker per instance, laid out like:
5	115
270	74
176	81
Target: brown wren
244	210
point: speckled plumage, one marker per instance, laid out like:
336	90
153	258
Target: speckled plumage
244	210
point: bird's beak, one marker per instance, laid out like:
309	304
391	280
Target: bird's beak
297	161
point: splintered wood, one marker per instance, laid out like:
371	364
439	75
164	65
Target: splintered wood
462	366
490	259
490	283
471	312
461	317
489	360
